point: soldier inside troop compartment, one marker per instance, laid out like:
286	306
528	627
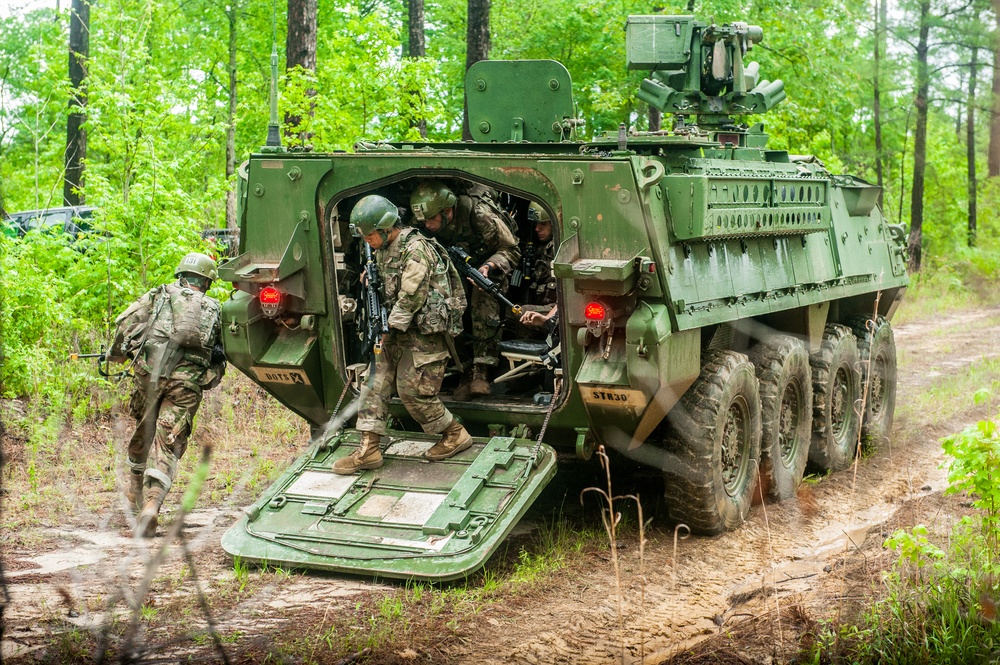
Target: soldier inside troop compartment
425	300
173	336
542	285
474	221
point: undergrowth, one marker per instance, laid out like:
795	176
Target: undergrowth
941	596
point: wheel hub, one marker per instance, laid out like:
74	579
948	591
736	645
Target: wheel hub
788	422
839	401
735	447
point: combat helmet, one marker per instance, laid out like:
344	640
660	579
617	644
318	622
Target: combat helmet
537	213
199	264
431	197
374	213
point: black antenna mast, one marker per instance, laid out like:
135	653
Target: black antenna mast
273	143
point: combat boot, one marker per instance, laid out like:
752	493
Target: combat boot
480	384
462	393
150	515
367	456
134	490
455	439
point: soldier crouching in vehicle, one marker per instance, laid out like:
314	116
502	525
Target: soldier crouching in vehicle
473	221
425	300
172	334
542	292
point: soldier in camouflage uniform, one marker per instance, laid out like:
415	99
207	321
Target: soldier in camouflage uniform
473	221
172	334
425	300
542	292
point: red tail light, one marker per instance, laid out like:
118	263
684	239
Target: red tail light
594	311
270	301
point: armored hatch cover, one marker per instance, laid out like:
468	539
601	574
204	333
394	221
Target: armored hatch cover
410	519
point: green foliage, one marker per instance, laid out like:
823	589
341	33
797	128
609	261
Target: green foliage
158	99
975	469
941	602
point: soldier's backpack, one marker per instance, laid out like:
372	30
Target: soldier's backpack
445	305
168	323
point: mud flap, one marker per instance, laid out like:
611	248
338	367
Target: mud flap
410	519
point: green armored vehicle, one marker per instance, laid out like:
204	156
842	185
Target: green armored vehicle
722	312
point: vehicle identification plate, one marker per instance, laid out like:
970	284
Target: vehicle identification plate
613	396
295	377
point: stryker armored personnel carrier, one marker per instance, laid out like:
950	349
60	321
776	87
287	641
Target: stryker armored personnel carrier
723	312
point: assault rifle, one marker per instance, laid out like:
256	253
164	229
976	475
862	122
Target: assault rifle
528	261
376	318
461	259
103	362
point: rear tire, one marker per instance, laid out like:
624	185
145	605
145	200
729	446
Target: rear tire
877	351
836	395
786	398
715	441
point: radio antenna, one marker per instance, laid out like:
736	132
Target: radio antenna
273	129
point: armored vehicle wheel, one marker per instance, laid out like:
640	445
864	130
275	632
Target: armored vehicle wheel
785	378
836	391
715	441
877	350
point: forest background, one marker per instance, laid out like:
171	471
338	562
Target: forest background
143	109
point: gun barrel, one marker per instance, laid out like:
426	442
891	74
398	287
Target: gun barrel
461	260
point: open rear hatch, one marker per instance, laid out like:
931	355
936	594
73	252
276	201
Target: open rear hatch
410	519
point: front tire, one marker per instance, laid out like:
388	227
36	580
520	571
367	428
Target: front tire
836	395
877	351
786	398
715	441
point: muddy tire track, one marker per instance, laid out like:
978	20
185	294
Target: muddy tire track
795	552
786	553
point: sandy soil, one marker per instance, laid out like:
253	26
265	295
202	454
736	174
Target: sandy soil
791	565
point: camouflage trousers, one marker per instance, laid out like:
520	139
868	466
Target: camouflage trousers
486	320
163	424
410	365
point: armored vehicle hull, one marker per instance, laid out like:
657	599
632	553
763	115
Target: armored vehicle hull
723	308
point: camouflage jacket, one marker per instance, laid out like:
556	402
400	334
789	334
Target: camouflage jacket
423	290
482	229
543	282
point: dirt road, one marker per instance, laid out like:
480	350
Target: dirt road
816	554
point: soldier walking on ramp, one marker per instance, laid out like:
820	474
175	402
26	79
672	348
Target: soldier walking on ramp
172	334
425	300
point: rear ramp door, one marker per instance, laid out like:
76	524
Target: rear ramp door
410	519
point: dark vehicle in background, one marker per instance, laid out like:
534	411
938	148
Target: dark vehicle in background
72	220
224	243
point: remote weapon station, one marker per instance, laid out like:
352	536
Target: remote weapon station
722	312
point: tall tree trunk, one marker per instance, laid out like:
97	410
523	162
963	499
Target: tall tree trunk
477	47
655	119
919	141
415	45
880	29
231	221
993	156
417	49
970	144
300	49
76	134
958	110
